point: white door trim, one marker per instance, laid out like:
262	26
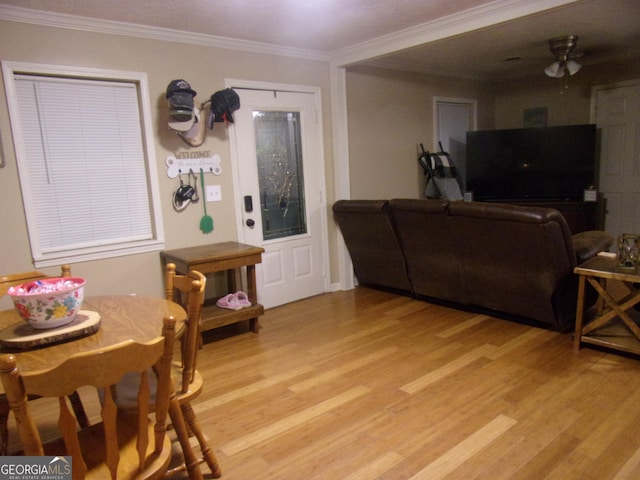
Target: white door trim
316	91
342	172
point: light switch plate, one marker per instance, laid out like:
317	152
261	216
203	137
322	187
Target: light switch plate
214	193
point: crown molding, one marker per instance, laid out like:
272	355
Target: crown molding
456	24
483	16
75	22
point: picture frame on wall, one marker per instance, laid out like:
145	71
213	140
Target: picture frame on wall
535	117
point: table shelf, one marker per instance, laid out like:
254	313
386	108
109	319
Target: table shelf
614	335
229	257
215	317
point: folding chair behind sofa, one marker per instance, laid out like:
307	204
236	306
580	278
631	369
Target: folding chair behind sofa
442	181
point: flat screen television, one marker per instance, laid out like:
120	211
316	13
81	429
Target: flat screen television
551	163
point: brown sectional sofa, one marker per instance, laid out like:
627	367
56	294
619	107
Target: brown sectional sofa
511	261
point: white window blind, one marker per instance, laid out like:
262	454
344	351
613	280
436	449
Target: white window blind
84	168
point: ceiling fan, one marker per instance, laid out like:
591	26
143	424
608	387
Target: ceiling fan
564	65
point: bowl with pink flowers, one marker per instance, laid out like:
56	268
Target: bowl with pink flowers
50	302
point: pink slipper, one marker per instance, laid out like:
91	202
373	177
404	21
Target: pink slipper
229	301
242	299
234	301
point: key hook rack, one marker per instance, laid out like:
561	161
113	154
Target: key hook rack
176	166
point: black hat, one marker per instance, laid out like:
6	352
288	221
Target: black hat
179	86
223	104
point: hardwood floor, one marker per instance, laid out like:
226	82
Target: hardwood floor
369	385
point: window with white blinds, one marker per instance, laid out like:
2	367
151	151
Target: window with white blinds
83	147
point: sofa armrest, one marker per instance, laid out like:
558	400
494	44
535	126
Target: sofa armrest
589	244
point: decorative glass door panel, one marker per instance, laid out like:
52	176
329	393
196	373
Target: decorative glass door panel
280	173
278	163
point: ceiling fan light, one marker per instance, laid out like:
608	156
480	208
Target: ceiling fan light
573	67
554	70
562	48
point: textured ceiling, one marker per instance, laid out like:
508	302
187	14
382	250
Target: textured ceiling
608	29
320	25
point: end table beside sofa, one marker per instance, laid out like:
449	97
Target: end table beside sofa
612	322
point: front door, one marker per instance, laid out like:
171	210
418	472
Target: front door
617	117
279	166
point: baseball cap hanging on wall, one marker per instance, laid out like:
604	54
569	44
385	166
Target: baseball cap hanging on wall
194	137
180	97
186	116
185	193
223	104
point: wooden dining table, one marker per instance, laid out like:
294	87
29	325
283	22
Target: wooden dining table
122	317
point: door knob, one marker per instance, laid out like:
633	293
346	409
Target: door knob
250	222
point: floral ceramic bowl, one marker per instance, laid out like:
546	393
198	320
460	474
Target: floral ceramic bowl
49	303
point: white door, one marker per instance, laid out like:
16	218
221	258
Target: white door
454	117
617	116
279	172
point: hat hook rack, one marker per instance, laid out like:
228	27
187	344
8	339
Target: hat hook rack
177	166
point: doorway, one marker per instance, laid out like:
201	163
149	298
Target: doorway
453	118
278	171
616	114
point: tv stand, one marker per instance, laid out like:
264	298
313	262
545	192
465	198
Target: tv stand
581	216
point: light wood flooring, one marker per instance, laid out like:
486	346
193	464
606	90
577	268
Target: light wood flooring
365	384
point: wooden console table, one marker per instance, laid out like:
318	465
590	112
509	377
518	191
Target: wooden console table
612	323
229	257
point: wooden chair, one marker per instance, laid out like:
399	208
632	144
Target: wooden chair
122	446
188	290
6	282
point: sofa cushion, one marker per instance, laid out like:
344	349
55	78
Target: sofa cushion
515	259
429	247
369	234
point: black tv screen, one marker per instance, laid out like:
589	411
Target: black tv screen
552	163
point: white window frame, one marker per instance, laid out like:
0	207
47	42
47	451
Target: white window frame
96	249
